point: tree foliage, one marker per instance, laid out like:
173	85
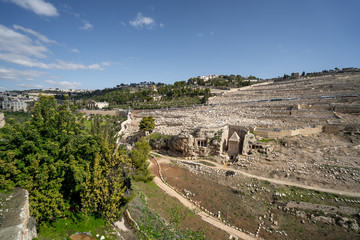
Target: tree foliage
143	97
66	167
46	157
147	123
139	156
106	186
222	81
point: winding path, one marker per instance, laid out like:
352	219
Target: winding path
204	216
275	181
124	127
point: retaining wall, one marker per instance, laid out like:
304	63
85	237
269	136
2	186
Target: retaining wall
120	112
347	109
279	133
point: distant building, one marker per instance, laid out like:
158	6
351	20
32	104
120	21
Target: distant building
207	78
102	104
156	98
295	74
14	105
93	104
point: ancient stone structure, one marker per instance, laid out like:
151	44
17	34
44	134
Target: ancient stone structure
233	145
227	142
15	220
92	104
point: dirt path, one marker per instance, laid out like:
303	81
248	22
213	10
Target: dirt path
164	158
205	217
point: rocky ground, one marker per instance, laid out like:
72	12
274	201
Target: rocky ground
328	160
325	160
272	211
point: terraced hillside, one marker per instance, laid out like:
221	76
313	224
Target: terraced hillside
311	124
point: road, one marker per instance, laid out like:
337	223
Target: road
204	216
272	180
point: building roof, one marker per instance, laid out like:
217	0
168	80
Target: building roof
234	137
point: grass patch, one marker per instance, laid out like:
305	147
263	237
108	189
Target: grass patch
157	136
162	214
295	194
64	228
265	140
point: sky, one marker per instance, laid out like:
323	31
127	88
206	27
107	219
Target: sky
92	44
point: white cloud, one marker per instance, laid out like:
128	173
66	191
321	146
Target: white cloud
17	43
22	50
64	84
40	7
140	21
36	34
10	74
86	25
161	25
30	85
58	64
212	33
75	50
106	64
200	34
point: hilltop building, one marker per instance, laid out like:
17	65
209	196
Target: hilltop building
295	74
207	78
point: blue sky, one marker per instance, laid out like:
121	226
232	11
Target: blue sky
88	44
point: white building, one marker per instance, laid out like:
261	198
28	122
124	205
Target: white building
14	105
102	104
93	104
207	78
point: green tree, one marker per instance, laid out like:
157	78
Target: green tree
147	123
206	96
42	157
64	166
105	189
139	156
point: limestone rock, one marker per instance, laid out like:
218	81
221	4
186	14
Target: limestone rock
16	223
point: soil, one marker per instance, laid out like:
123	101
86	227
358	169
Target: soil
243	206
314	169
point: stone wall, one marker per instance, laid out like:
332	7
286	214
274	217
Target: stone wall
2	120
281	133
119	112
15	220
352	109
